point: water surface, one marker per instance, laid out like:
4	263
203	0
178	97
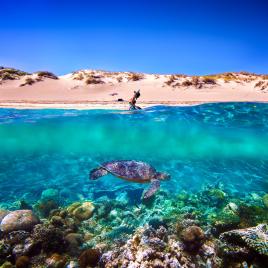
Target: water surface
198	145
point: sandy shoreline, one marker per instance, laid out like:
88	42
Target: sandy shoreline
90	105
97	105
89	89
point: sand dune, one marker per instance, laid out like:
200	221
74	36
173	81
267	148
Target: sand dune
89	89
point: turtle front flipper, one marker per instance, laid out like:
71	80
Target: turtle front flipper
154	186
97	173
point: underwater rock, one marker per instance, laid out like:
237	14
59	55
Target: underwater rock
18	220
182	224
56	261
5	249
251	215
255	196
45	207
6	264
22	262
27	247
57	221
216	195
50	238
50	194
254	238
16	237
193	238
74	241
264	199
50	200
81	211
24	205
3	213
72	264
89	257
233	207
225	220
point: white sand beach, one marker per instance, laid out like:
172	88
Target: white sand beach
89	89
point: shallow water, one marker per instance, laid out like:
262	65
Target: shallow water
198	145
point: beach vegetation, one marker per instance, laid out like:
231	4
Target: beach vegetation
171	80
92	79
259	84
7	76
28	81
178	84
45	74
135	77
209	80
187	83
196	82
119	79
180	75
78	76
111	74
247	73
11	73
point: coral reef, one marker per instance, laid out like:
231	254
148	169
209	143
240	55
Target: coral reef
254	238
190	229
156	248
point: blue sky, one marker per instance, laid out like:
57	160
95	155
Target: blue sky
192	37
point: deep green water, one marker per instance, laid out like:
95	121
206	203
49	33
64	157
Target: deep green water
198	145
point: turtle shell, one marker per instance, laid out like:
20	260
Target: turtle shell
131	170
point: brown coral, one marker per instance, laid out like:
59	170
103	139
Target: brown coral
193	238
22	262
89	257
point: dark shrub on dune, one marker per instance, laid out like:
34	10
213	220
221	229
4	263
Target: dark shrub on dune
45	74
28	81
209	80
197	82
7	76
11	73
186	83
135	77
93	80
171	80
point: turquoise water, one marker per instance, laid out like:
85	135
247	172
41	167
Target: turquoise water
201	145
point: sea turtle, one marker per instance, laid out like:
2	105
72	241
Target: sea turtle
132	170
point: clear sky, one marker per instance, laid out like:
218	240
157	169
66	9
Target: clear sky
188	36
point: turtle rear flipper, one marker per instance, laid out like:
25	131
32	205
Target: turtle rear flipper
154	186
97	173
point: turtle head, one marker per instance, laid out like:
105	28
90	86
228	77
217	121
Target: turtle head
162	176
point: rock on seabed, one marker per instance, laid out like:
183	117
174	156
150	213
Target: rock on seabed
18	220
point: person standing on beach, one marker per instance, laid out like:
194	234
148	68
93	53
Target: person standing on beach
133	100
